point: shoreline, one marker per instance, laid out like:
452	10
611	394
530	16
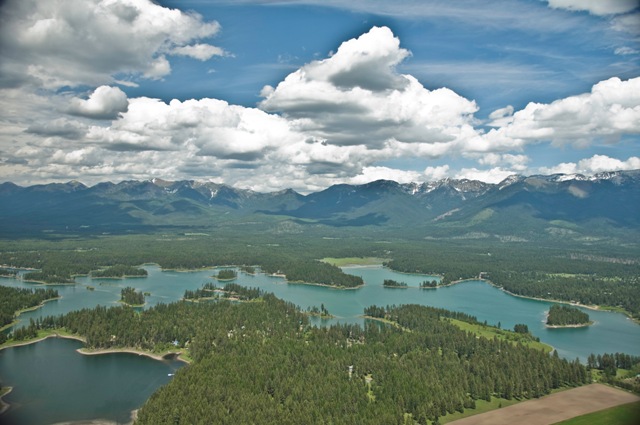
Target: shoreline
579	325
4	406
159	357
571	303
301	282
24	310
89	352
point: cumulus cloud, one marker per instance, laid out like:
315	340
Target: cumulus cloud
610	110
333	120
595	164
596	7
209	127
493	175
60	127
58	43
104	103
357	97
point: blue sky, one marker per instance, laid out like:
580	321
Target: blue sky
304	94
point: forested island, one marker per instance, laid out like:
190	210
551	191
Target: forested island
119	271
427	284
226	274
390	283
131	297
564	316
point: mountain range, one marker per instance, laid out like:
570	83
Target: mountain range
518	207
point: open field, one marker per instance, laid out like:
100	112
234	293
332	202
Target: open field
626	414
490	332
555	407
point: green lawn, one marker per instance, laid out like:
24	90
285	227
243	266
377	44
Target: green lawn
626	414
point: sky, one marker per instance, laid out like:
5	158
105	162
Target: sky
268	95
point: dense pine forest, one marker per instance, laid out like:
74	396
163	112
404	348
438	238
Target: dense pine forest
130	296
226	274
564	315
261	362
13	300
390	283
120	271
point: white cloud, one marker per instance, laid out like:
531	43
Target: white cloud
627	23
610	110
595	164
199	51
514	162
626	50
357	97
58	43
493	175
596	7
104	103
210	127
501	113
370	174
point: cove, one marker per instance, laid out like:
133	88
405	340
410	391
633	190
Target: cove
53	383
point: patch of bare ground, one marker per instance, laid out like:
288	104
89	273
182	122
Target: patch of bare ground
554	408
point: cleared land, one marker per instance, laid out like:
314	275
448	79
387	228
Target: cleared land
554	408
627	414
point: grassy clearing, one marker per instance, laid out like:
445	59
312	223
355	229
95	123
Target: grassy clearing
626	414
490	332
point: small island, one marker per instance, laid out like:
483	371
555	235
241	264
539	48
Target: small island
226	274
207	292
564	316
130	297
428	284
321	312
248	270
119	272
390	283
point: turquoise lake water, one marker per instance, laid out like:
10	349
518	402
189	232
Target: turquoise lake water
111	379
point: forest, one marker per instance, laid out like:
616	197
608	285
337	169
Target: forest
564	315
13	300
131	297
263	363
120	271
226	274
390	283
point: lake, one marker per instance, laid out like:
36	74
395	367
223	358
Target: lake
108	375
